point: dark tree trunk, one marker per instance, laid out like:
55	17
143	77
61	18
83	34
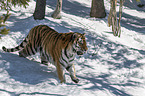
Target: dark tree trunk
57	12
98	9
39	12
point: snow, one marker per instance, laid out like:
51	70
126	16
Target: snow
112	66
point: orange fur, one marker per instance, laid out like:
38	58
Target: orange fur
50	44
53	46
53	43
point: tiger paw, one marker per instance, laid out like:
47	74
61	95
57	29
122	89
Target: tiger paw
44	62
21	55
63	81
75	80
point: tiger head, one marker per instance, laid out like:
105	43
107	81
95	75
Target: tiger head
79	45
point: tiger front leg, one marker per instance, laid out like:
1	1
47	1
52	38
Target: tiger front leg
71	70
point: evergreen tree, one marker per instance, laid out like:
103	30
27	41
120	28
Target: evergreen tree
6	6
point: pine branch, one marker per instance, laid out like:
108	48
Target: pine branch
4	31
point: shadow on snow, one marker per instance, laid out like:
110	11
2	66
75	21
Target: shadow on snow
25	93
32	73
24	70
71	7
101	83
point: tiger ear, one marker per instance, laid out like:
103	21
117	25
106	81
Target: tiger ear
74	36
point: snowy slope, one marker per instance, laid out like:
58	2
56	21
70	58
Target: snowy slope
112	66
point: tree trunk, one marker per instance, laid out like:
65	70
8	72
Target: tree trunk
39	12
112	18
57	12
98	9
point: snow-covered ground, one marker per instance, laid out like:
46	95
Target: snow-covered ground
112	66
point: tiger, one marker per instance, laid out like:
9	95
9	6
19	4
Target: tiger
60	49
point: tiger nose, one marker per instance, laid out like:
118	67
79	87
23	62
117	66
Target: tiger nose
85	49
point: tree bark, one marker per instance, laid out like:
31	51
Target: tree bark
98	9
39	12
57	13
112	18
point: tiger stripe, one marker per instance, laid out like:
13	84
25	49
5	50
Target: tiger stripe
59	49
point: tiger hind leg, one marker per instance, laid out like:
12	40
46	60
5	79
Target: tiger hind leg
22	54
28	50
43	58
44	61
60	73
